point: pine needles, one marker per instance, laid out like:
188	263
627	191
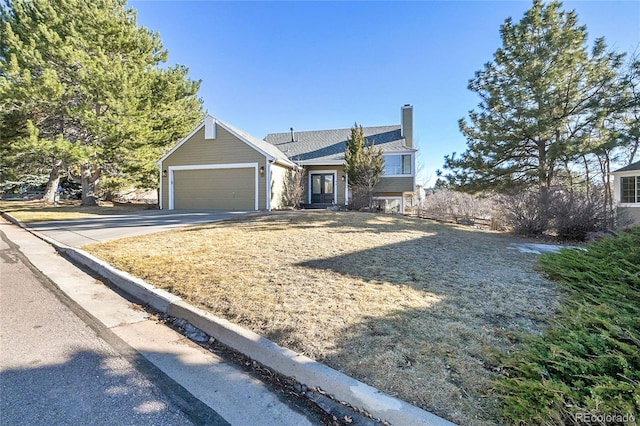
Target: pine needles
586	366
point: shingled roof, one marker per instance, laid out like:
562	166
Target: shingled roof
629	168
319	146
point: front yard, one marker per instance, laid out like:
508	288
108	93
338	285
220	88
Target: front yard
412	307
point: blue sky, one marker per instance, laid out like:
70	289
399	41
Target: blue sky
269	66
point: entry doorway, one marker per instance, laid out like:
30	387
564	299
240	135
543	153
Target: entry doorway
323	188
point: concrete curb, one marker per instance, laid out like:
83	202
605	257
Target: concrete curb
284	361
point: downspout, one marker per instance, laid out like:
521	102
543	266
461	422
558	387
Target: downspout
268	183
346	189
159	166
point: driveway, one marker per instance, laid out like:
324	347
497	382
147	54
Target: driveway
79	232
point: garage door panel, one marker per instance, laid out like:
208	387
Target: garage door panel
215	189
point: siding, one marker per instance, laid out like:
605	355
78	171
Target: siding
278	175
394	185
225	149
340	183
630	214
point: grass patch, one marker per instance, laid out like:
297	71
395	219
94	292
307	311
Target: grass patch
38	211
588	362
413	307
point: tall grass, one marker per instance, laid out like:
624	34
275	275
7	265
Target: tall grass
585	369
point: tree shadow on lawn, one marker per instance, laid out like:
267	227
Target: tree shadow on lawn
442	357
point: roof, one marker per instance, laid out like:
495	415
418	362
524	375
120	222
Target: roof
329	145
629	168
261	145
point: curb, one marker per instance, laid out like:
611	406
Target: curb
285	361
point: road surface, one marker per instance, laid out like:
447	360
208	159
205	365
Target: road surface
58	366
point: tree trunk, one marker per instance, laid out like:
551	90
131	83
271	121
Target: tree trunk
54	182
89	179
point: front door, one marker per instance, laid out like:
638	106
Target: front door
322	188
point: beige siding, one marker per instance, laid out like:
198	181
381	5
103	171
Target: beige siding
394	184
215	189
630	214
278	175
224	149
329	169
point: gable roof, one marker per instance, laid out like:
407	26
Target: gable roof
266	149
629	168
328	146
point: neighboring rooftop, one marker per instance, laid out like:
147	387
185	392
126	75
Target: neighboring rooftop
629	168
329	145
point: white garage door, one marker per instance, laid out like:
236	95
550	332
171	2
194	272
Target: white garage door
215	189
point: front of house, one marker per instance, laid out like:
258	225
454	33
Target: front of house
626	189
221	167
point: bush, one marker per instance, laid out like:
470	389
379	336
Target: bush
445	202
588	362
293	188
526	212
576	215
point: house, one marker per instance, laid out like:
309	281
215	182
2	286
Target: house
626	190
218	166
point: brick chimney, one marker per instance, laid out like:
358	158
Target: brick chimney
407	125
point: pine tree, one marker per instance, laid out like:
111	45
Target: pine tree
364	164
542	98
82	92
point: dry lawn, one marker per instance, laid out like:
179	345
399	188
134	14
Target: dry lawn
409	306
37	211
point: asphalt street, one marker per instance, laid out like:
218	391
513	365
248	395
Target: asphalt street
78	232
58	366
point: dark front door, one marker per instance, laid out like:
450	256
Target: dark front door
322	189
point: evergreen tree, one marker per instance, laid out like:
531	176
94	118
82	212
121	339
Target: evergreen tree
364	164
542	100
83	93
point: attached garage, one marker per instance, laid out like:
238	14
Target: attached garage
215	188
220	167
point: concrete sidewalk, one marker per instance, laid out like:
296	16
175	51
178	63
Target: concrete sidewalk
236	396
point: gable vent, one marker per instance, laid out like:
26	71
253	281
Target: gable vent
209	127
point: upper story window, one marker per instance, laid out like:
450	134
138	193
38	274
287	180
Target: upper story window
630	189
395	165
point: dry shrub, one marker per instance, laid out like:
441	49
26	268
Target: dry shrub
526	212
445	202
293	188
575	215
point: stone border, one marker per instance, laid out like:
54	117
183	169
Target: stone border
285	361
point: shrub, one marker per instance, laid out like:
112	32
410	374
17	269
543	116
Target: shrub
526	212
588	361
445	202
293	188
576	215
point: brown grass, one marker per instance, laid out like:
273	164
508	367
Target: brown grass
410	306
37	211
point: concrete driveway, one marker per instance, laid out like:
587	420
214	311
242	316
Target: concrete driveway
79	232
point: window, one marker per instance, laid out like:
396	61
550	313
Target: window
630	187
397	165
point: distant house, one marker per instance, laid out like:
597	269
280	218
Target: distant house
626	191
218	166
